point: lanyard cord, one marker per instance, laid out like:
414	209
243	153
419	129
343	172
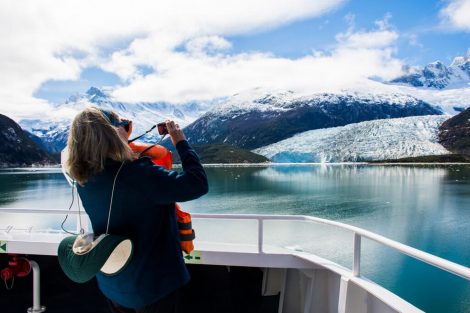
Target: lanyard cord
74	189
112	195
70	207
82	231
148	131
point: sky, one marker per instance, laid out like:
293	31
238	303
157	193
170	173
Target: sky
179	51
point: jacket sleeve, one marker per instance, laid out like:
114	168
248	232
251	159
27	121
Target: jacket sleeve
162	186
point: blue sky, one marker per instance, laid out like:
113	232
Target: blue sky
419	18
186	50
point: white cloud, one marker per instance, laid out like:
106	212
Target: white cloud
207	44
384	36
54	39
456	14
184	43
368	40
183	76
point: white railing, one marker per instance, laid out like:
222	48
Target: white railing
358	233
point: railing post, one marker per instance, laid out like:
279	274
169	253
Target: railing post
37	307
356	268
260	235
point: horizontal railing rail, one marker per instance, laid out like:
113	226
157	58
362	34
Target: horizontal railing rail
358	233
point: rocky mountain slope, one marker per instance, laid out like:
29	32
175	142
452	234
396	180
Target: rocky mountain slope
222	153
365	141
17	149
254	120
454	134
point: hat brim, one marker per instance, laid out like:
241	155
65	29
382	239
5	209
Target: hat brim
82	268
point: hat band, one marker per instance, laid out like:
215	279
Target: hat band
83	244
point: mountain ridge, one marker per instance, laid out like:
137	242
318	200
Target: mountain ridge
454	134
17	149
259	121
437	75
144	115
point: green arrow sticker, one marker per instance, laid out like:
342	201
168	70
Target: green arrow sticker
193	258
3	246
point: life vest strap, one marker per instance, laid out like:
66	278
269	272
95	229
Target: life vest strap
185	226
188	237
146	149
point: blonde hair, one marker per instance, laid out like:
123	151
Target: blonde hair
92	139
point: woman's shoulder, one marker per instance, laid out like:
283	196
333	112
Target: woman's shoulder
138	164
143	171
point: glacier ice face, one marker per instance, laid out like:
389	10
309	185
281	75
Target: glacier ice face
365	141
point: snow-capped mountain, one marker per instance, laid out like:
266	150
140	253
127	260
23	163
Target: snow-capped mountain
16	149
437	75
365	141
251	119
144	115
255	119
52	134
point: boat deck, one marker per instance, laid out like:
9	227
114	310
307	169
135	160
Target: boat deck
212	289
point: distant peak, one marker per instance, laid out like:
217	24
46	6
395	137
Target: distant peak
93	91
436	64
458	61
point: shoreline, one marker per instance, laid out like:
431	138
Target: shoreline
213	165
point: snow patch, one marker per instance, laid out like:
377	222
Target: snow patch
263	100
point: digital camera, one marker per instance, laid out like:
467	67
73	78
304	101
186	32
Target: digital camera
162	130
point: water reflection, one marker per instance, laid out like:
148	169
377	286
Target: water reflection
38	188
14	185
424	206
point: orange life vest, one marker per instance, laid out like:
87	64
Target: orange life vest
161	156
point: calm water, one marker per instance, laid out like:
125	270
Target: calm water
427	207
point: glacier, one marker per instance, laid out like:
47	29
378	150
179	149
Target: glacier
365	141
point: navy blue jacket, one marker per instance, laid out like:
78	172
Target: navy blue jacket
143	210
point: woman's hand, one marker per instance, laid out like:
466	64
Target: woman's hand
176	134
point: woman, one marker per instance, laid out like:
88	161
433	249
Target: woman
143	207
